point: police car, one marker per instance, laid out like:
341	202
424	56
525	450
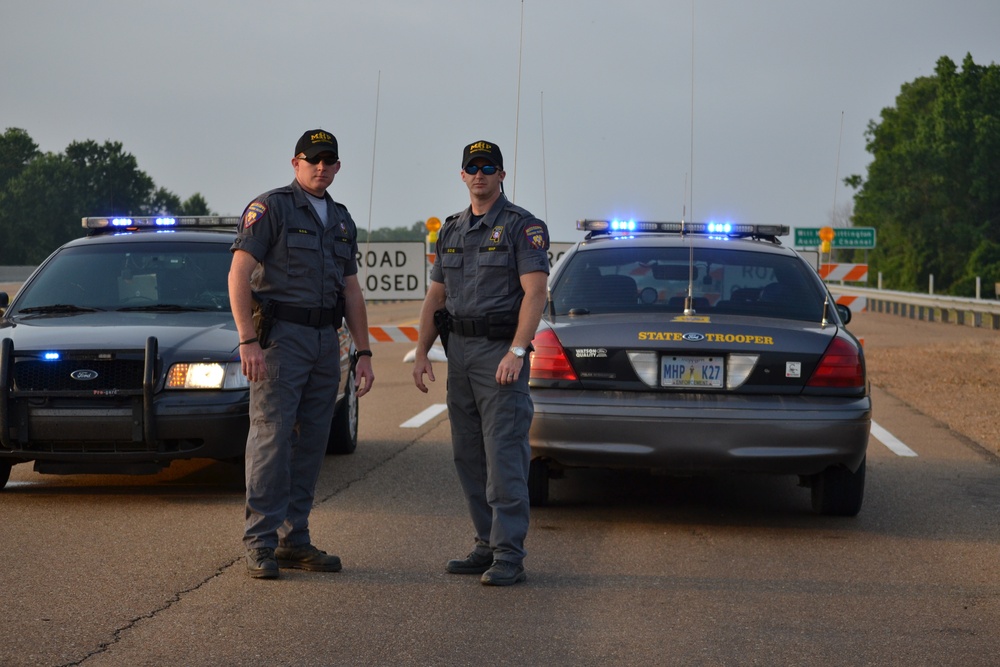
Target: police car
119	354
698	348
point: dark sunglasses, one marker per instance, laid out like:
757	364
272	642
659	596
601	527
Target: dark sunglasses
316	160
488	169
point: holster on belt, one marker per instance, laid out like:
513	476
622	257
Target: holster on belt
263	320
442	322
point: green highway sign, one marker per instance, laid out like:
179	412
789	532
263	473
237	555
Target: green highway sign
843	237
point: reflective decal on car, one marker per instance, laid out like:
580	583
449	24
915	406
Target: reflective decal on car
739	338
676	336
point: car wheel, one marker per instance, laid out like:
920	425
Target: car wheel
838	491
538	483
5	467
344	429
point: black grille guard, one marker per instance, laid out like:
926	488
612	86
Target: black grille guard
144	411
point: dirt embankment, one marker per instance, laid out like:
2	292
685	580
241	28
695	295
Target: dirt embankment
947	371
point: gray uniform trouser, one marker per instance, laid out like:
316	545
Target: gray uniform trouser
489	435
290	417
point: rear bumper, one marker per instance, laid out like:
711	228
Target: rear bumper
700	433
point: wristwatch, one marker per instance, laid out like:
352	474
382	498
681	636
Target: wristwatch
519	352
362	353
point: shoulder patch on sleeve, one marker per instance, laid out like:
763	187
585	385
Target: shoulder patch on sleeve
538	236
255	211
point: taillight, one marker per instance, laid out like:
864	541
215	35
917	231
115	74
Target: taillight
839	367
549	361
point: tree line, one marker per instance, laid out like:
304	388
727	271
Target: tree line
43	196
932	189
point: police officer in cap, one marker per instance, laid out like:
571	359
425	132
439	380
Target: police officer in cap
294	268
488	286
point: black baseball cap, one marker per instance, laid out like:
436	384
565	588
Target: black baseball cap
484	149
314	142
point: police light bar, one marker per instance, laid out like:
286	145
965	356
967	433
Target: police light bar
161	221
705	228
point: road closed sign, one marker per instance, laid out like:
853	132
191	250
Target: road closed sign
393	271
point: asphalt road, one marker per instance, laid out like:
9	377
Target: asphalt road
623	568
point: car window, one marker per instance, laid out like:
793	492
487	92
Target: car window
121	275
724	281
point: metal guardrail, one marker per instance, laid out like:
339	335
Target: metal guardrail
928	307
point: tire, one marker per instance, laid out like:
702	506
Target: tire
344	429
538	483
5	467
838	491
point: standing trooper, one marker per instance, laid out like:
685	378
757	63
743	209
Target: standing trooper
293	279
487	292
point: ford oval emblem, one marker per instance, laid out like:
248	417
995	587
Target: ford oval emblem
84	375
693	337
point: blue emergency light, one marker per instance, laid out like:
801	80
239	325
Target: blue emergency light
722	229
160	221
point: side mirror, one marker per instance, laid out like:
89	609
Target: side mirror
844	312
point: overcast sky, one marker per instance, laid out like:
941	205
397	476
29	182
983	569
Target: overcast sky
602	109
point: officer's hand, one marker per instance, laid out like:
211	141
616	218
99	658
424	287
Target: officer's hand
364	376
509	369
421	366
252	362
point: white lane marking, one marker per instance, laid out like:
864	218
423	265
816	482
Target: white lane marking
891	441
425	416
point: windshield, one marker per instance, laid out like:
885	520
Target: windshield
724	281
133	276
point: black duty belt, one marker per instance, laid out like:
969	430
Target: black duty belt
312	317
469	326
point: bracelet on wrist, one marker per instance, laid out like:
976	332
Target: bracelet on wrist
248	341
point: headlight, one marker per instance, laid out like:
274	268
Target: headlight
207	376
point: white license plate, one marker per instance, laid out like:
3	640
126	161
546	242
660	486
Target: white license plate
692	371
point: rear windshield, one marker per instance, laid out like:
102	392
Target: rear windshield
723	281
133	275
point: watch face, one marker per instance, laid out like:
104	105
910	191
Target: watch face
518	351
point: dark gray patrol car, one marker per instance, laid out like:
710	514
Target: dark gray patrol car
698	348
119	354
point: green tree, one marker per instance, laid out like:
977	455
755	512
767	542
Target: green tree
16	150
933	188
167	203
36	211
43	197
195	205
